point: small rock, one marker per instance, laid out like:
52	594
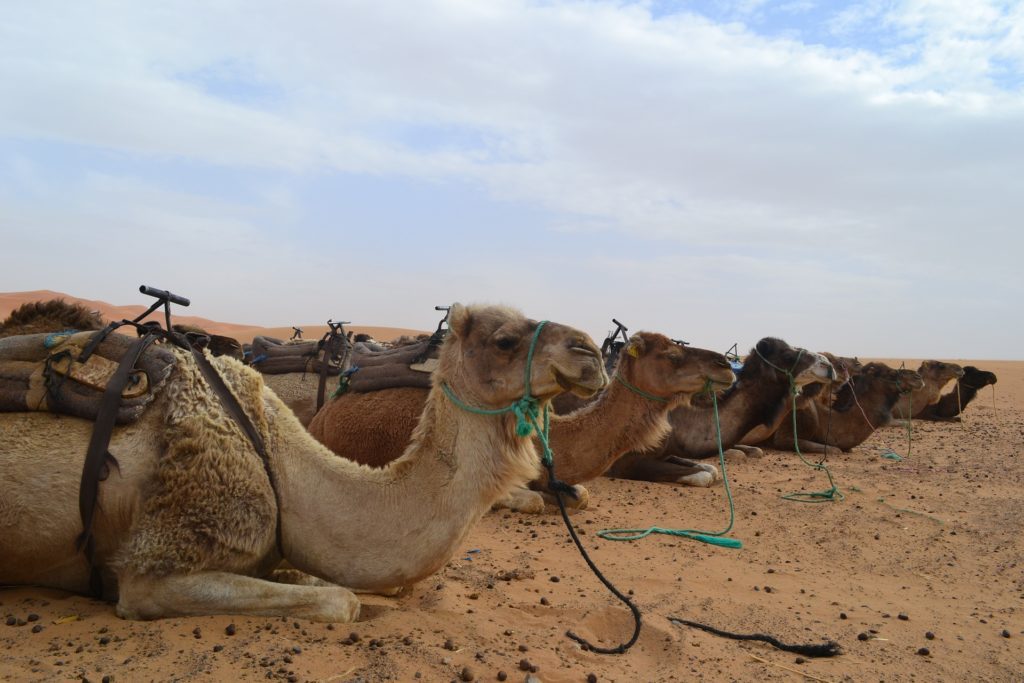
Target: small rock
449	645
33	617
862	636
1005	633
354	637
545	601
929	635
104	640
524	665
502	676
903	616
523	648
842	615
924	652
218	648
555	579
11	621
591	678
467	674
407	640
230	629
39	627
800	660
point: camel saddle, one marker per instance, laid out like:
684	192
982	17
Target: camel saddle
276	357
406	366
42	372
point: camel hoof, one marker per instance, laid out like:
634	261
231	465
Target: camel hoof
751	451
702	478
582	500
339	606
711	469
522	500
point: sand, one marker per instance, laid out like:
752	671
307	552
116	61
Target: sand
935	539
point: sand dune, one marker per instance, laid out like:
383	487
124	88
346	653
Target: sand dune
240	331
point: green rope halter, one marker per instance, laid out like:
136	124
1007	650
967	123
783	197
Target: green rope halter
637	390
710	537
526	409
832	493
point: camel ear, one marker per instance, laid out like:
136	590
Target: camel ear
459	320
636	346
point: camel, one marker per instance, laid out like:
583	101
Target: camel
186	524
950	405
935	374
298	391
861	404
760	398
54	315
374	427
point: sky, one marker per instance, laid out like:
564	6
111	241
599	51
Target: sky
844	175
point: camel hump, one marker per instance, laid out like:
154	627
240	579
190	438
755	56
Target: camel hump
43	372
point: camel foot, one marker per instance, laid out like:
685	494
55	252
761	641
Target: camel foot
580	502
522	500
750	451
205	593
703	479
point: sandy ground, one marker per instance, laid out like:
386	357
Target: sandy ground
935	539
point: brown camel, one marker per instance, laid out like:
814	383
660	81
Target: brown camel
760	398
861	404
373	428
186	524
935	375
950	405
54	315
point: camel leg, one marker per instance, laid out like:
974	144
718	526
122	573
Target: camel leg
296	578
580	502
522	499
211	592
807	446
668	472
749	451
707	467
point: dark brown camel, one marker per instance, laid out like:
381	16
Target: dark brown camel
760	399
950	405
54	315
861	405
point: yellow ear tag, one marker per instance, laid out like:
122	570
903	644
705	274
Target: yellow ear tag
633	352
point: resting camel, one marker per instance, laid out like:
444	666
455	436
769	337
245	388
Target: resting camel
950	405
298	390
935	375
861	404
186	525
374	427
54	315
760	398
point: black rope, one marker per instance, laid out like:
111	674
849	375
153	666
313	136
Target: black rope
558	488
829	649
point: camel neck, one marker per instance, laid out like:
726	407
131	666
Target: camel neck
588	441
380	528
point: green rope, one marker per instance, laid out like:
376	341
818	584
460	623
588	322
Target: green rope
710	537
526	409
832	493
637	390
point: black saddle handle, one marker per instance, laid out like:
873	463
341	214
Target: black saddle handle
164	295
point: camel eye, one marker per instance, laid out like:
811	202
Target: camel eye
505	343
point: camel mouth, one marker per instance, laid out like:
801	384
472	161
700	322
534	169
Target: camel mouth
721	379
583	386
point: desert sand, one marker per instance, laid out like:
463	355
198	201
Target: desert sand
930	545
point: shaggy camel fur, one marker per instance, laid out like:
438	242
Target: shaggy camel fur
935	374
54	315
373	428
760	398
186	526
950	404
861	404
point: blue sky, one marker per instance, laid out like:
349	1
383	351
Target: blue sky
844	174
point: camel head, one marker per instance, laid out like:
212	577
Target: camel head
54	315
897	381
657	365
774	356
483	357
846	368
976	379
939	372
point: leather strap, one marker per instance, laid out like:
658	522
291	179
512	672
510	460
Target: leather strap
96	455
